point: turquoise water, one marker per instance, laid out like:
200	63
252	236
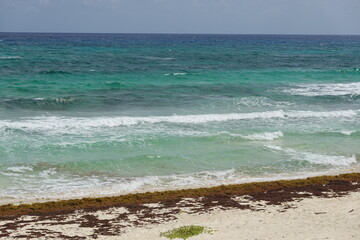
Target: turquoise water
93	114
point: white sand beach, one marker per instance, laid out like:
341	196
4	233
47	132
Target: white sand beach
316	218
311	218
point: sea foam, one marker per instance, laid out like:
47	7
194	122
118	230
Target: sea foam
334	160
60	124
60	187
325	89
175	74
266	136
261	102
20	169
10	57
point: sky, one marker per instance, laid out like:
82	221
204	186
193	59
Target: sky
182	16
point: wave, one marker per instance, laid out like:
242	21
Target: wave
314	157
41	103
20	169
322	89
347	133
260	101
312	114
115	85
175	74
159	58
270	136
11	57
353	70
62	123
54	72
79	187
333	132
59	100
266	136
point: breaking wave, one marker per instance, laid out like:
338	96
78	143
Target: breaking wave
314	157
62	123
39	103
322	89
11	57
266	136
175	74
79	187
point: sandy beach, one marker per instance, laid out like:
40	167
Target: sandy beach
316	218
296	209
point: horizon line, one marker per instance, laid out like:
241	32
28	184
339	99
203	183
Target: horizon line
162	33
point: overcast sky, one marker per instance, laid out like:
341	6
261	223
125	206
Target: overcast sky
182	16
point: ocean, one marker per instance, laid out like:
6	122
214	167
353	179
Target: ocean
103	114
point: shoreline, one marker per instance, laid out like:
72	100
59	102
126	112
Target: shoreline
117	217
254	179
156	196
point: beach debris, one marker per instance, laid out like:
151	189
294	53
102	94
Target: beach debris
317	213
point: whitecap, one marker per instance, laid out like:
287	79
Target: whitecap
20	169
266	136
57	100
11	57
328	114
175	74
46	173
71	124
324	89
261	101
316	158
348	133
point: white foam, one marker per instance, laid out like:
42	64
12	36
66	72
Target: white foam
348	133
62	124
175	74
329	114
323	89
354	70
20	169
57	100
47	172
329	160
63	188
266	136
316	158
262	102
10	57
